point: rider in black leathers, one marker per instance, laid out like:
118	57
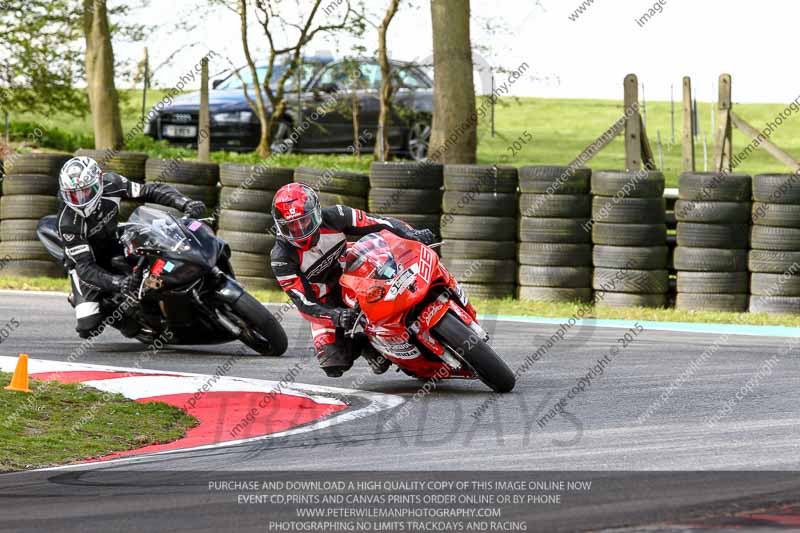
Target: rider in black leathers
87	226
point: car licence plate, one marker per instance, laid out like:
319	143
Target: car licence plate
179	131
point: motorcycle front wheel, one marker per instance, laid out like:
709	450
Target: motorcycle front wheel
262	332
491	370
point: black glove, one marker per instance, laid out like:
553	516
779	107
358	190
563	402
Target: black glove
425	236
194	209
343	317
128	284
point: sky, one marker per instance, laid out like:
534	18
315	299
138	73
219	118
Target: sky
587	57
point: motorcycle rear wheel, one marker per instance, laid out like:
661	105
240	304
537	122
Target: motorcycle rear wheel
263	333
491	370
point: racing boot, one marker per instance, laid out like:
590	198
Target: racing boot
377	362
335	359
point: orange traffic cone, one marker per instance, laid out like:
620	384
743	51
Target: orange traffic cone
19	382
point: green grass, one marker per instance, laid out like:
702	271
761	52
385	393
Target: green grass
59	424
509	306
506	306
561	129
34	284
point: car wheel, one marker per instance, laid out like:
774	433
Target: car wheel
282	142
419	137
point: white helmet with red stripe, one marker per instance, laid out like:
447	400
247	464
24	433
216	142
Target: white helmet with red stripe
81	184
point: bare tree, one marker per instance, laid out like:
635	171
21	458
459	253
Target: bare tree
454	135
269	104
387	85
103	96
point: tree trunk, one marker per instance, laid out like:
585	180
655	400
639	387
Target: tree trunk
354	109
277	115
454	135
103	97
258	105
264	148
204	117
387	87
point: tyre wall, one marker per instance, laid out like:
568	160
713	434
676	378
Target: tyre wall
30	184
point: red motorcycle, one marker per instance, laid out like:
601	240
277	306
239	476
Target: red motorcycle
415	314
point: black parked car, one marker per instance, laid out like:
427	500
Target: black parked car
322	82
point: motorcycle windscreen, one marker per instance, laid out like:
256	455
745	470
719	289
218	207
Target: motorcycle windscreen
371	257
154	230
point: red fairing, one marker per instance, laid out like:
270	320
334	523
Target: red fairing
465	317
388	277
385	299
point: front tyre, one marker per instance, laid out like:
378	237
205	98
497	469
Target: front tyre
262	332
491	370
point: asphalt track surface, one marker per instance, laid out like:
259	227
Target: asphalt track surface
602	436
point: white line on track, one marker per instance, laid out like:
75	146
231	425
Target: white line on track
376	402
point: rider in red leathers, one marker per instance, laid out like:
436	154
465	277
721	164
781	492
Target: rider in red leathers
306	261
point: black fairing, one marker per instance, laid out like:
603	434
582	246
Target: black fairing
189	252
47	231
188	271
189	275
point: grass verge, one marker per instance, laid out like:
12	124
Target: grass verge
34	284
508	306
58	424
529	131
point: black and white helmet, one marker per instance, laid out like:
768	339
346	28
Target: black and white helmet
81	184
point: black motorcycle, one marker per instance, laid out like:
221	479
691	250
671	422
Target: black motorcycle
188	292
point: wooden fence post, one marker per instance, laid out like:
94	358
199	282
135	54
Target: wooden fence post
723	145
771	148
688	126
204	129
638	151
633	124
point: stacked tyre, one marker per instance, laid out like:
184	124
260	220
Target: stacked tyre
555	249
410	192
629	236
670	197
245	221
713	214
128	164
196	180
335	186
29	193
775	244
479	226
